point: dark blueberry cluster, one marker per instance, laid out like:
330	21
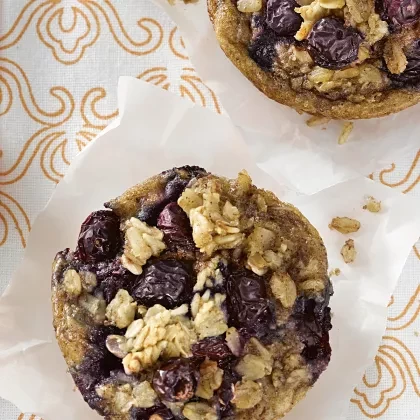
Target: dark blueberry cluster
411	75
177	380
175	181
175	225
399	13
282	18
248	305
99	237
166	282
332	44
215	348
97	365
312	319
110	275
159	412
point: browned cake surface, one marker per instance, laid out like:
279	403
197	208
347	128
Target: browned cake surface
194	297
383	78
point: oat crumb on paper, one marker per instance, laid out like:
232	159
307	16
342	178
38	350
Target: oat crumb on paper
172	2
335	272
416	333
317	120
344	225
345	132
348	251
372	205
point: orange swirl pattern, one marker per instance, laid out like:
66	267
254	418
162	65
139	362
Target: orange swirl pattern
393	177
59	65
68	41
176	43
396	366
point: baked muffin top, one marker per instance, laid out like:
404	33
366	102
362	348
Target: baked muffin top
194	297
337	58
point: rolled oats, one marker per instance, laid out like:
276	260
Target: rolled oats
359	10
311	14
260	240
189	200
261	204
348	251
247	394
254	367
215	225
344	225
312	285
142	310
199	411
134	328
89	281
210	275
249	6
284	289
211	377
372	205
159	325
242	183
261	256
138	361
144	395
141	242
121	396
332	4
377	29
180	337
346	73
94	305
317	120
72	283
334	272
394	56
208	317
345	132
233	341
121	310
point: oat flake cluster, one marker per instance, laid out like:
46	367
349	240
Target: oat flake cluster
194	297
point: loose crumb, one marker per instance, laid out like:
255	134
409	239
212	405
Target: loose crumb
372	205
317	120
172	2
335	272
344	224
345	132
348	251
416	333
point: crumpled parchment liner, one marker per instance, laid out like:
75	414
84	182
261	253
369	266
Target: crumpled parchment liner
157	130
372	145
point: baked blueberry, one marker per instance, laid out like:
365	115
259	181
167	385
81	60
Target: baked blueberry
166	282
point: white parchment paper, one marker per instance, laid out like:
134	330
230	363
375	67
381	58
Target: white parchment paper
156	131
373	143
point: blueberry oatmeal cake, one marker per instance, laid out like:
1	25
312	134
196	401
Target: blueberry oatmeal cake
342	59
194	297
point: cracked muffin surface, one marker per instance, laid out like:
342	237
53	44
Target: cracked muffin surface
342	59
194	296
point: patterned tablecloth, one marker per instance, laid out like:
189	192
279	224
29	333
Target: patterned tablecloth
59	65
